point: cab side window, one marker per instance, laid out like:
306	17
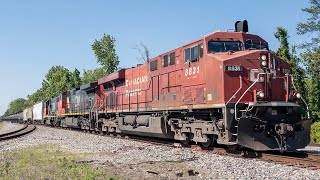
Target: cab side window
172	58
154	65
187	55
193	53
165	61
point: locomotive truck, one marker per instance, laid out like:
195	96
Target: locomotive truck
224	88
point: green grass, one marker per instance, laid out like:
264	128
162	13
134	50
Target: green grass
46	162
315	132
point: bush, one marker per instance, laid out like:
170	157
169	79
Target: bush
315	132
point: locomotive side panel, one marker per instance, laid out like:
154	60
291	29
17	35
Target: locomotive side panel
136	89
170	80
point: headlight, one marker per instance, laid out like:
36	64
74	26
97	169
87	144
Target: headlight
263	57
260	94
298	95
263	60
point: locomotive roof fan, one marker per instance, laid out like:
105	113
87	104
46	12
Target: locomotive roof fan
241	26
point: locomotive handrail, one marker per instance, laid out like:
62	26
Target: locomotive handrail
233	96
235	106
304	101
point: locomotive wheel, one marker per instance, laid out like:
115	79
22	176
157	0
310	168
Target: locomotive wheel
209	142
186	136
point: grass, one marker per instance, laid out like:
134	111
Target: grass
315	132
46	162
1	124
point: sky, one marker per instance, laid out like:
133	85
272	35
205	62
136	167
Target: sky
36	35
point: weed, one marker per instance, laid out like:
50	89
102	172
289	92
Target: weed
46	162
315	132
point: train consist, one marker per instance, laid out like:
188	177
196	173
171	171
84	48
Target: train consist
226	88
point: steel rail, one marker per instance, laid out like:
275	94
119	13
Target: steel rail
13	132
12	135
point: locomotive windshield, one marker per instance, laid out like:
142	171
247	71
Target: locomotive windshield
249	44
224	46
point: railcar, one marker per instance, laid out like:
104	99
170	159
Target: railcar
37	113
224	88
27	114
18	117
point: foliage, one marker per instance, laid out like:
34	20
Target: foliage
59	79
76	79
312	26
45	162
92	76
284	52
105	52
35	97
315	132
311	54
312	61
16	106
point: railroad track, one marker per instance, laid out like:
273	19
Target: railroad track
299	159
314	145
26	129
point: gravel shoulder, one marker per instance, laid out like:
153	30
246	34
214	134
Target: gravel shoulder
135	160
7	127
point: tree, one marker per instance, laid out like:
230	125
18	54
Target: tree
76	79
312	61
6	113
105	52
144	53
312	26
311	54
284	52
16	106
57	80
92	75
35	97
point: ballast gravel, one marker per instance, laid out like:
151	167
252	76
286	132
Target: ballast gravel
136	160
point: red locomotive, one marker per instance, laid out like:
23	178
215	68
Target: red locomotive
226	88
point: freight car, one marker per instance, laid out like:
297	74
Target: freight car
226	88
18	117
27	114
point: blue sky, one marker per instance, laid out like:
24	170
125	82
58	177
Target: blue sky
36	35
